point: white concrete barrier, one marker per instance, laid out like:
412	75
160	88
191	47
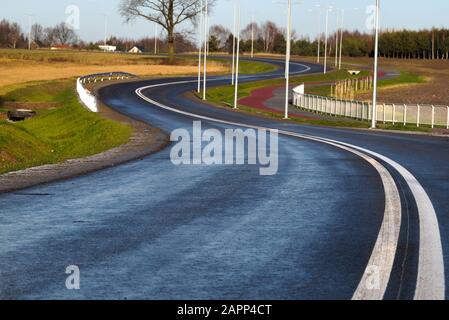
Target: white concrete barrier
86	97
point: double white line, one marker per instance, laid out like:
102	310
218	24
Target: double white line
431	280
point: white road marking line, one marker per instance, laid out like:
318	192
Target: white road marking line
431	280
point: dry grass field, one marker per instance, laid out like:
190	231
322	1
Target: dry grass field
18	66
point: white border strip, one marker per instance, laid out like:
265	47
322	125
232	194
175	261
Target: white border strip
431	280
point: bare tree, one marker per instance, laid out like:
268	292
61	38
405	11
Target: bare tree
15	33
167	13
221	34
38	34
61	34
269	31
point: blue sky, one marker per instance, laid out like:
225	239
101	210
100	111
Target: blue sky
395	14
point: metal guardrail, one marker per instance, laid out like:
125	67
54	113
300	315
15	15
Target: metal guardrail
86	97
100	77
431	115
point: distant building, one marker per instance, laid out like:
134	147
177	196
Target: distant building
60	47
136	49
108	48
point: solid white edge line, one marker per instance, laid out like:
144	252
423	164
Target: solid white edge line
431	281
431	275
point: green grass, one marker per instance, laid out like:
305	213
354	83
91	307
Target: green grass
58	134
246	66
404	78
225	94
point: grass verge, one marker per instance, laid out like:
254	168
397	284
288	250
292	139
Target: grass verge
63	131
224	96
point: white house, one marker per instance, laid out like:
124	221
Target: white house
108	48
135	49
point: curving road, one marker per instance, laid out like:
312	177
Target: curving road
343	202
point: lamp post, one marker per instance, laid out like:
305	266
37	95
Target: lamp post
252	38
341	37
236	89
329	9
233	44
29	30
205	49
319	32
287	58
341	34
105	29
200	41
337	42
155	38
376	61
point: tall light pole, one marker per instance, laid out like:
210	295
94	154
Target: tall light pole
287	58
337	42
29	31
155	38
327	35
105	29
319	32
341	34
236	89
252	37
376	61
206	12
200	42
233	43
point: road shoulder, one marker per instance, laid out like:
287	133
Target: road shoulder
145	141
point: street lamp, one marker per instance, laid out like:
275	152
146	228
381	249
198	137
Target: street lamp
233	43
29	30
337	34
287	58
341	33
329	9
376	61
252	38
319	32
155	38
200	42
205	49
236	89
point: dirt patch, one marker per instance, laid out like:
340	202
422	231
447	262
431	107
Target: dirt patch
144	141
434	91
5	157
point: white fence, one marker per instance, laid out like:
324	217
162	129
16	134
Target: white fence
387	113
86	97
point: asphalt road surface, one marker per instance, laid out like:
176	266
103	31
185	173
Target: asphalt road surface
350	214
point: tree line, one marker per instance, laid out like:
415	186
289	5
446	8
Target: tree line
398	44
13	36
268	38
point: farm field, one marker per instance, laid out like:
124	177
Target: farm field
420	81
20	66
